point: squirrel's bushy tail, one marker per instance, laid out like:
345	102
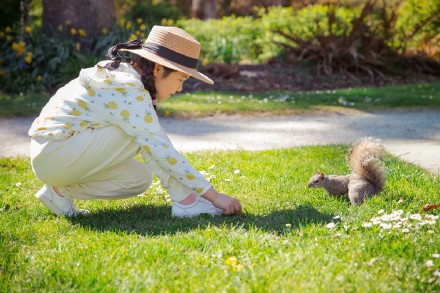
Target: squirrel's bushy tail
365	161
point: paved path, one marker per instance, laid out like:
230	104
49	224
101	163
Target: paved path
412	135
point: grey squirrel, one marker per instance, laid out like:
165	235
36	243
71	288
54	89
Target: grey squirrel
367	177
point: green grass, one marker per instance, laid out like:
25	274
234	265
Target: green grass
282	243
200	104
366	99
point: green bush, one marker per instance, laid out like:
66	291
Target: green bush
228	40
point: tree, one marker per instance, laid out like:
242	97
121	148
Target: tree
203	9
90	15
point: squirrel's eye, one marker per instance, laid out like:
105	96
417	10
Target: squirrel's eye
316	181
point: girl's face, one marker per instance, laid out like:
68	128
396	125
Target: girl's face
167	84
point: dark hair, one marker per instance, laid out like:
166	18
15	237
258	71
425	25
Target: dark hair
144	65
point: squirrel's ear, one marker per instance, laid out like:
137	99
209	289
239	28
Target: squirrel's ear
321	175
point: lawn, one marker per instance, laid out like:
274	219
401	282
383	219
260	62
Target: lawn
198	104
290	239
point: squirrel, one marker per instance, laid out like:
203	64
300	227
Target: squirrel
367	177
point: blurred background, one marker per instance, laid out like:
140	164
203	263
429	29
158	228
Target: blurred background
266	44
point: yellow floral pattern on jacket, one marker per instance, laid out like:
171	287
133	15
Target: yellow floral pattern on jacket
101	97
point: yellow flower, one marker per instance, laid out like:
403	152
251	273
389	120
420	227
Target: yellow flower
28	58
19	47
139	20
60	28
205	61
231	260
8	29
132	37
2	34
67	22
39	78
2	72
167	112
143	27
78	47
9	38
170	21
105	31
28	29
81	32
138	33
129	25
164	21
122	22
73	31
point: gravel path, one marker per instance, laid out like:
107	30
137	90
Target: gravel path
412	135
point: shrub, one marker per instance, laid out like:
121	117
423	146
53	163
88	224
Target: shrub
228	40
348	41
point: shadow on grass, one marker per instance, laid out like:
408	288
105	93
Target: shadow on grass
156	220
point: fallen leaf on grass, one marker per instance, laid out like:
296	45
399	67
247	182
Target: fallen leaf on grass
429	207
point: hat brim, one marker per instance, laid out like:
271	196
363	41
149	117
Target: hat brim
162	61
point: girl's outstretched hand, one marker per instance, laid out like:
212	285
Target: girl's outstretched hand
229	204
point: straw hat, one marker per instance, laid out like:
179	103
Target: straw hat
174	48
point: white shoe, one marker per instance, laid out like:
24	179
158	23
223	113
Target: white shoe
200	206
61	206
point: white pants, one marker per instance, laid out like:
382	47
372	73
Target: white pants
94	164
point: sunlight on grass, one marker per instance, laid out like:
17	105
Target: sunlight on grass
199	104
291	239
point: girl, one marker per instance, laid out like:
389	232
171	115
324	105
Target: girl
85	139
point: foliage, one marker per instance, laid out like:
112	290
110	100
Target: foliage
229	40
290	239
350	40
9	12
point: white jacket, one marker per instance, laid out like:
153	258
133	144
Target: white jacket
100	97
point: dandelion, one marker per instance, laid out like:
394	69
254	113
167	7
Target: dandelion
73	31
138	33
232	260
139	20
164	21
143	27
19	48
132	37
170	21
28	29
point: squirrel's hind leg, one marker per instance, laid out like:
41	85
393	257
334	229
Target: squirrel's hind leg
360	190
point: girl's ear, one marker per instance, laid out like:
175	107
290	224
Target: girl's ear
157	69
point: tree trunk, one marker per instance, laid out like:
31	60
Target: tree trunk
203	9
90	15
